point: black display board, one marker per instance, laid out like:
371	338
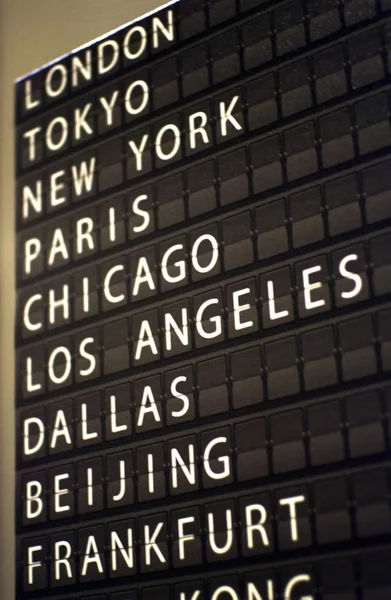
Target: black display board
203	402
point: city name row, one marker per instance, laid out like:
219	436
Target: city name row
165	141
155	271
86	424
80	489
262	165
194	464
270	522
337	574
297	585
161	540
201	250
94	64
143	41
185	325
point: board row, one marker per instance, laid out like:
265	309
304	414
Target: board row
328	140
138	41
296	87
340	350
336	277
314	214
286	442
187	396
285	28
269	522
310	215
363	575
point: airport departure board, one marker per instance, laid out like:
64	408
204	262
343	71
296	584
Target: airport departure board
203	330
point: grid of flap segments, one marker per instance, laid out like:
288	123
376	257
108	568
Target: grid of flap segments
204	307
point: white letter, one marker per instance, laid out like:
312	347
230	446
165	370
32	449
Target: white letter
176	394
62	71
239	308
224	460
122	488
31	564
58	246
253	594
102	68
215	253
86	295
180	265
26	313
90	357
188	471
145	331
141	213
63	137
182	538
91	549
32	248
31	497
28	92
349	275
226	115
35	199
58	491
62	561
90	487
141	278
55	187
108	106
195	596
144	409
150	543
83	177
225	589
86	224
113	419
106	285
143	42
211	533
145	89
138	151
115	542
201	129
31	387
81	122
183	334
84	422
151	480
67	368
291	502
292	583
250	528
30	136
168	31
53	304
311	286
79	67
26	434
216	320
60	429
177	143
112	232
272	305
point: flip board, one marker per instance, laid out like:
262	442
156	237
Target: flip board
203	332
